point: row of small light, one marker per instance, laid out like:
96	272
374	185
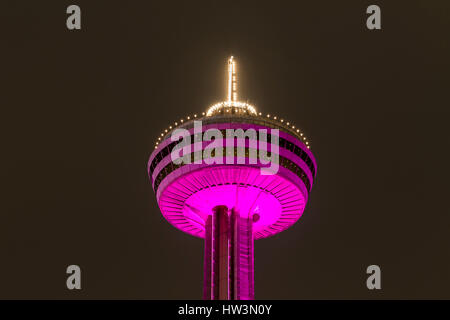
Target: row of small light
175	125
247	107
290	126
287	124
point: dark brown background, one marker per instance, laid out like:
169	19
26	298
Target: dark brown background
80	111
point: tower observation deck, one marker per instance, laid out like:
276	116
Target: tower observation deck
231	175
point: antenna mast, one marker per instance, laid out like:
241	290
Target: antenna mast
232	80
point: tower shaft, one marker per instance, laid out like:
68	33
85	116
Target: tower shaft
228	265
241	257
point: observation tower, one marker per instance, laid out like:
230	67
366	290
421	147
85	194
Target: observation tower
231	175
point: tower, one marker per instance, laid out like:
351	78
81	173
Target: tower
231	176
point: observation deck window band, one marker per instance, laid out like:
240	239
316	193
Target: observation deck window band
282	144
293	149
226	118
284	162
247	151
218	120
169	169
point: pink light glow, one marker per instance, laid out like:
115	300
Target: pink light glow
187	200
244	199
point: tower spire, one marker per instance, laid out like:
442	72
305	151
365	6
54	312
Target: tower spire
232	80
231	105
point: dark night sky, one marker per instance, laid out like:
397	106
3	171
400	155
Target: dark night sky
80	112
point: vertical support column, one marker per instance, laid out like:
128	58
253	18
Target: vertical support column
220	252
233	251
228	265
216	255
241	249
207	265
246	262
